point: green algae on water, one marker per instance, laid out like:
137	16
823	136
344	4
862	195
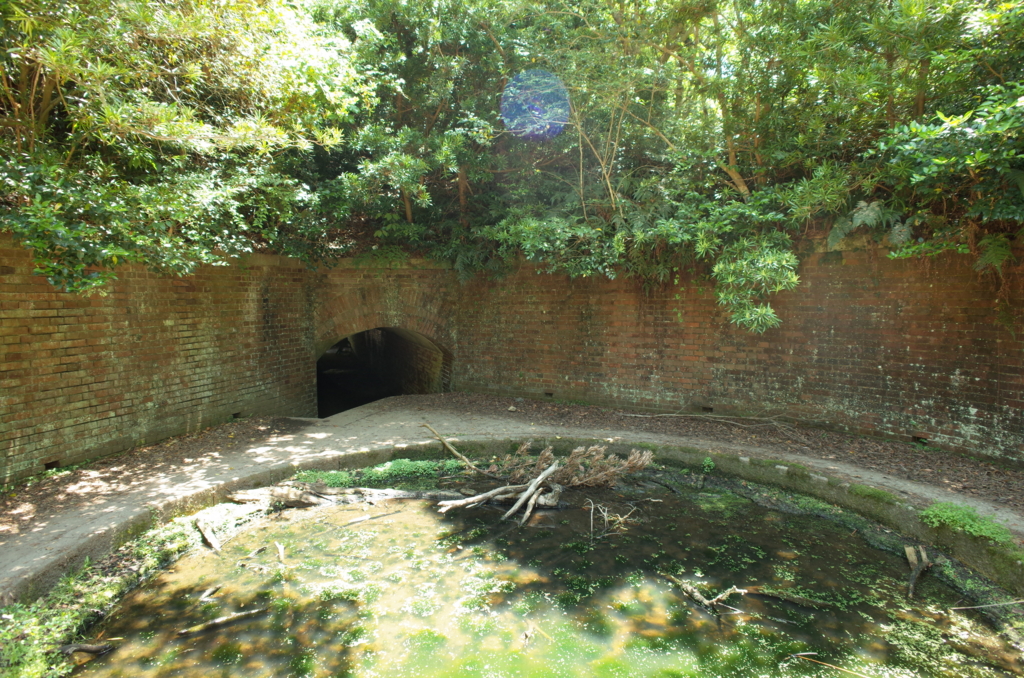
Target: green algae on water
415	593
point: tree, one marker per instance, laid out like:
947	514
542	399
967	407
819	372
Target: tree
149	131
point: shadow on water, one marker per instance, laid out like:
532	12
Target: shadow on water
573	593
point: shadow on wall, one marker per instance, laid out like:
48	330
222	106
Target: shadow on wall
375	364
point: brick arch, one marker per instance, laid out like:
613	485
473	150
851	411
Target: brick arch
417	301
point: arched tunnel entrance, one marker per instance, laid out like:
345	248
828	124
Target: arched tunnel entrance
378	363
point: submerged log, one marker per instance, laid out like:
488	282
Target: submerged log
220	621
208	535
782	594
96	650
294	498
291	497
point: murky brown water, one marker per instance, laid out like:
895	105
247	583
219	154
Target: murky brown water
412	593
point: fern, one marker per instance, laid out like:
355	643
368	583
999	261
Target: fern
873	214
900	233
994	251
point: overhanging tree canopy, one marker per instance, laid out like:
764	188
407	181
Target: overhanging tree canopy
700	134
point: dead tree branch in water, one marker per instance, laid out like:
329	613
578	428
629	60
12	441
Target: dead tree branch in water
698	597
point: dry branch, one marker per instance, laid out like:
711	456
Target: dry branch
529	507
533	487
446	506
459	455
698	597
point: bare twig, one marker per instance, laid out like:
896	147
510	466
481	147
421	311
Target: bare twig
790	597
459	455
280	551
208	594
365	518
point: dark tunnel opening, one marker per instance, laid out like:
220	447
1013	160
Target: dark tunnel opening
375	364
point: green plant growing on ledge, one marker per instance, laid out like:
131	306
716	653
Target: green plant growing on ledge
874	493
707	466
965	519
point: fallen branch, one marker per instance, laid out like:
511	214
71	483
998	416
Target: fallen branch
208	536
220	621
460	456
533	487
446	506
698	597
97	650
550	500
529	507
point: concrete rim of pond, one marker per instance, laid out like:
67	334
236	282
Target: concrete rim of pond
33	560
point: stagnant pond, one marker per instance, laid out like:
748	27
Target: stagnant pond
400	590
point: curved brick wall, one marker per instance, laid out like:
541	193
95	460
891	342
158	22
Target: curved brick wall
892	348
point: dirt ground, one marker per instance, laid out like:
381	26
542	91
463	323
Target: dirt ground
958	474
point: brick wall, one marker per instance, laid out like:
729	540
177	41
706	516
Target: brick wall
900	349
893	348
85	376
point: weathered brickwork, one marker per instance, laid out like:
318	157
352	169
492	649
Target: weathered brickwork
85	376
900	349
891	348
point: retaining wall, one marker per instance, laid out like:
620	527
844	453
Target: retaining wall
900	349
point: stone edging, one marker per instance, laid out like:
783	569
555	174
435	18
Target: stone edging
998	564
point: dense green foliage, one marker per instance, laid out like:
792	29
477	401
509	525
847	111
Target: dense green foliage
147	131
703	136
